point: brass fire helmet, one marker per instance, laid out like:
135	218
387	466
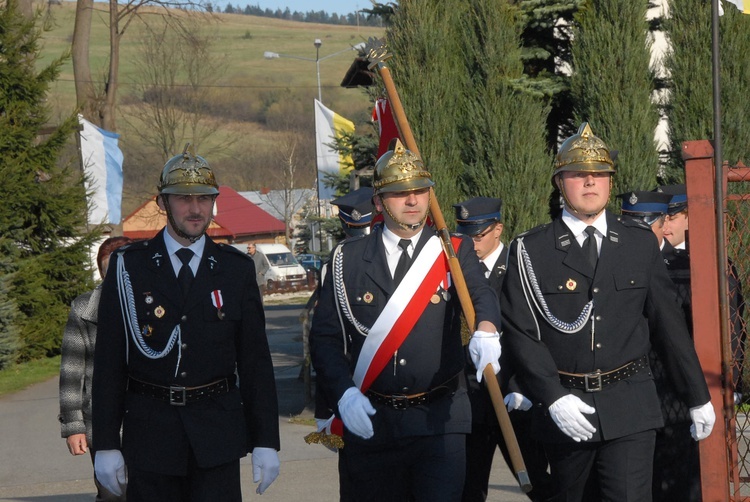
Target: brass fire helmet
187	174
400	170
583	152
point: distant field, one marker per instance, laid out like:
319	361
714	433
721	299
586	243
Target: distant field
249	84
241	39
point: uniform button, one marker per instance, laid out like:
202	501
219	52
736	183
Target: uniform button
404	389
632	282
184	346
359	298
183	374
183	318
559	288
402	362
598	345
598	318
595	290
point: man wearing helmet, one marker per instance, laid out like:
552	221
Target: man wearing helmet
386	345
180	319
584	298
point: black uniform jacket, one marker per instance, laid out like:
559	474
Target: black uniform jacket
431	355
635	305
157	436
482	411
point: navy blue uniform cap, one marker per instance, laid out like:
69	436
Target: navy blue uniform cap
473	216
678	202
646	205
355	209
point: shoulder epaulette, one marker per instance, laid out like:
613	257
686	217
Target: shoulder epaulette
134	246
534	230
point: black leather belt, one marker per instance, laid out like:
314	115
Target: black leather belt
596	381
177	395
404	401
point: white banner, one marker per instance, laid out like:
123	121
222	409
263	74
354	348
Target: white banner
102	164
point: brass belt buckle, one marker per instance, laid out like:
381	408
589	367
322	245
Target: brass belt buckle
592	382
177	396
398	401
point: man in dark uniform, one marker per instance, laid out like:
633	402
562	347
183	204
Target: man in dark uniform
677	458
583	299
481	219
386	345
180	320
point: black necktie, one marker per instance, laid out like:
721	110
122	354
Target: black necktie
185	276
485	270
403	261
589	247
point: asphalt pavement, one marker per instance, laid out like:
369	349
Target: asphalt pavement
35	465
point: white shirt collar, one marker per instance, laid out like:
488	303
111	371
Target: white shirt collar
577	226
491	260
173	246
390	241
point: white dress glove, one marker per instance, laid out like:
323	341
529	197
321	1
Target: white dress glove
567	413
517	401
109	468
356	410
265	467
484	349
703	418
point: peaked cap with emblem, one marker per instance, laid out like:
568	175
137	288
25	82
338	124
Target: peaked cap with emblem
678	193
646	205
356	210
473	216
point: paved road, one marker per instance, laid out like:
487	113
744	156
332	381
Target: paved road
35	465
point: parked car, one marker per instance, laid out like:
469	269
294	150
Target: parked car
310	261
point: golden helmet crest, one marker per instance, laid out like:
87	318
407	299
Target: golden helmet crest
400	170
583	152
187	174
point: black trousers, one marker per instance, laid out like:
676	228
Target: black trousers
199	485
622	467
480	450
414	469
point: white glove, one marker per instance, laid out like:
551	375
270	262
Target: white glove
517	401
265	467
484	349
109	469
356	410
567	413
703	418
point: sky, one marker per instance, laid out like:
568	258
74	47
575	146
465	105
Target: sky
330	6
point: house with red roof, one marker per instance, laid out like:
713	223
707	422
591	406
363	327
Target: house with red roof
236	221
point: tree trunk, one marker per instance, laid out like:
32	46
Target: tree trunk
107	110
85	92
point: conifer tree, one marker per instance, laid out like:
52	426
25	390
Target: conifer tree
690	105
43	208
455	68
612	83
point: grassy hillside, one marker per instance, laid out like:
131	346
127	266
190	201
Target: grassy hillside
252	101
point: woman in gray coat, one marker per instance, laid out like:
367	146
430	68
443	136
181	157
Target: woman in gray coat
77	366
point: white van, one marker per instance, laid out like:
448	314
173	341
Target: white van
284	271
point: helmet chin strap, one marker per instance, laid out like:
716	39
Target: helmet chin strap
176	229
406	226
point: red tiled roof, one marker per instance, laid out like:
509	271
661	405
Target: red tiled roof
241	217
236	216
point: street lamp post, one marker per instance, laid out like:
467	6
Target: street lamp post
317	43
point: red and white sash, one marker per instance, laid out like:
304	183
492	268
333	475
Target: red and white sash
401	313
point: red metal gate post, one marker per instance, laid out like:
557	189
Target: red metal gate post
704	273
